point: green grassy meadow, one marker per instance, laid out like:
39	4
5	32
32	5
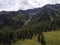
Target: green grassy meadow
51	38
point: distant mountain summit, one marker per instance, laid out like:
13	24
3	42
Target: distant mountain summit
23	17
47	12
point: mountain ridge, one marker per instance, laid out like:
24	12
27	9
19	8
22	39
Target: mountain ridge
47	12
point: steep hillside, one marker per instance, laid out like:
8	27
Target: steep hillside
47	12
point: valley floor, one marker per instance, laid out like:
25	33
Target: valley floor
51	38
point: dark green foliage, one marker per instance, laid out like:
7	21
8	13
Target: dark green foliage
42	40
39	37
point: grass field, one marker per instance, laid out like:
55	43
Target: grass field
51	38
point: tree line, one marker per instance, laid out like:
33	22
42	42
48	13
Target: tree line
9	36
